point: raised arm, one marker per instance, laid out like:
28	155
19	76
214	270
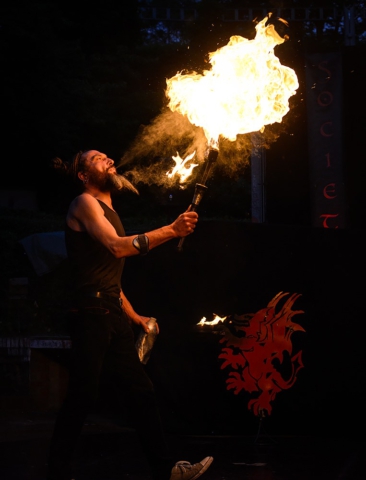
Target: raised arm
85	214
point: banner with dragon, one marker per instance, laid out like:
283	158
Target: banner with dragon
257	349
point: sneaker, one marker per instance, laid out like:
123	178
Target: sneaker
185	471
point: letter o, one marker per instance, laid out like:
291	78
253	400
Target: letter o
325	98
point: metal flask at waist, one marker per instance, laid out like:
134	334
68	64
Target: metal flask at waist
145	341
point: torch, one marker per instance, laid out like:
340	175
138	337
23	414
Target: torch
201	187
246	89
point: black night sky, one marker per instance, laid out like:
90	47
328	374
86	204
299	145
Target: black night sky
74	79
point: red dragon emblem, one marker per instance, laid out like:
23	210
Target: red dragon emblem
257	345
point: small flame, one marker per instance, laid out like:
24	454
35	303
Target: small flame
215	321
181	169
246	89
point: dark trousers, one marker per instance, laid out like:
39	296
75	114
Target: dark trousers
102	339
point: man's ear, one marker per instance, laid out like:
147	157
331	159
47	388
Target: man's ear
81	176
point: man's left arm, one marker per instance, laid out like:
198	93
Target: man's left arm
132	316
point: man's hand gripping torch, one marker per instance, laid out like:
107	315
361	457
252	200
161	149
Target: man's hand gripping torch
201	188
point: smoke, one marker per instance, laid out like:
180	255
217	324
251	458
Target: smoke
149	157
150	154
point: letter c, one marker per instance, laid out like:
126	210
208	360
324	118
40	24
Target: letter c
322	129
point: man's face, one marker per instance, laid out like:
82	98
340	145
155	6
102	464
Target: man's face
102	174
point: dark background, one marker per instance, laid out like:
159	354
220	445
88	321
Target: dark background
212	277
75	78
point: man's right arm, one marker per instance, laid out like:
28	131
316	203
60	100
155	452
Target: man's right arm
85	214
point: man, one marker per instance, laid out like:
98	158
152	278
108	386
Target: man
101	318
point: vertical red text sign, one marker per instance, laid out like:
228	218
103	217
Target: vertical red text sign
325	139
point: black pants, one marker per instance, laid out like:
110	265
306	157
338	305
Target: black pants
102	339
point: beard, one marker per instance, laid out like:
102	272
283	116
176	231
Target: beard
111	182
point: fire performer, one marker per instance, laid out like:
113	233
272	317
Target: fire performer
101	318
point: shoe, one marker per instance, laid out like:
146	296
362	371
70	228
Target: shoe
185	471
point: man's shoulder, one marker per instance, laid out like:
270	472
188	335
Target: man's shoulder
83	199
83	204
85	196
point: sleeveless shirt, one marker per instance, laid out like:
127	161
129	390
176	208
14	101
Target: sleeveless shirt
93	267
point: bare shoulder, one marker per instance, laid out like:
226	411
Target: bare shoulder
84	201
82	208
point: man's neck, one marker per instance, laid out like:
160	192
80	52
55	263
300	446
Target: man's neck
104	197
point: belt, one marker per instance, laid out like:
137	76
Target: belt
103	296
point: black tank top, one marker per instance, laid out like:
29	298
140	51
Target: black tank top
93	267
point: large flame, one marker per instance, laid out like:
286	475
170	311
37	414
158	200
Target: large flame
246	89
